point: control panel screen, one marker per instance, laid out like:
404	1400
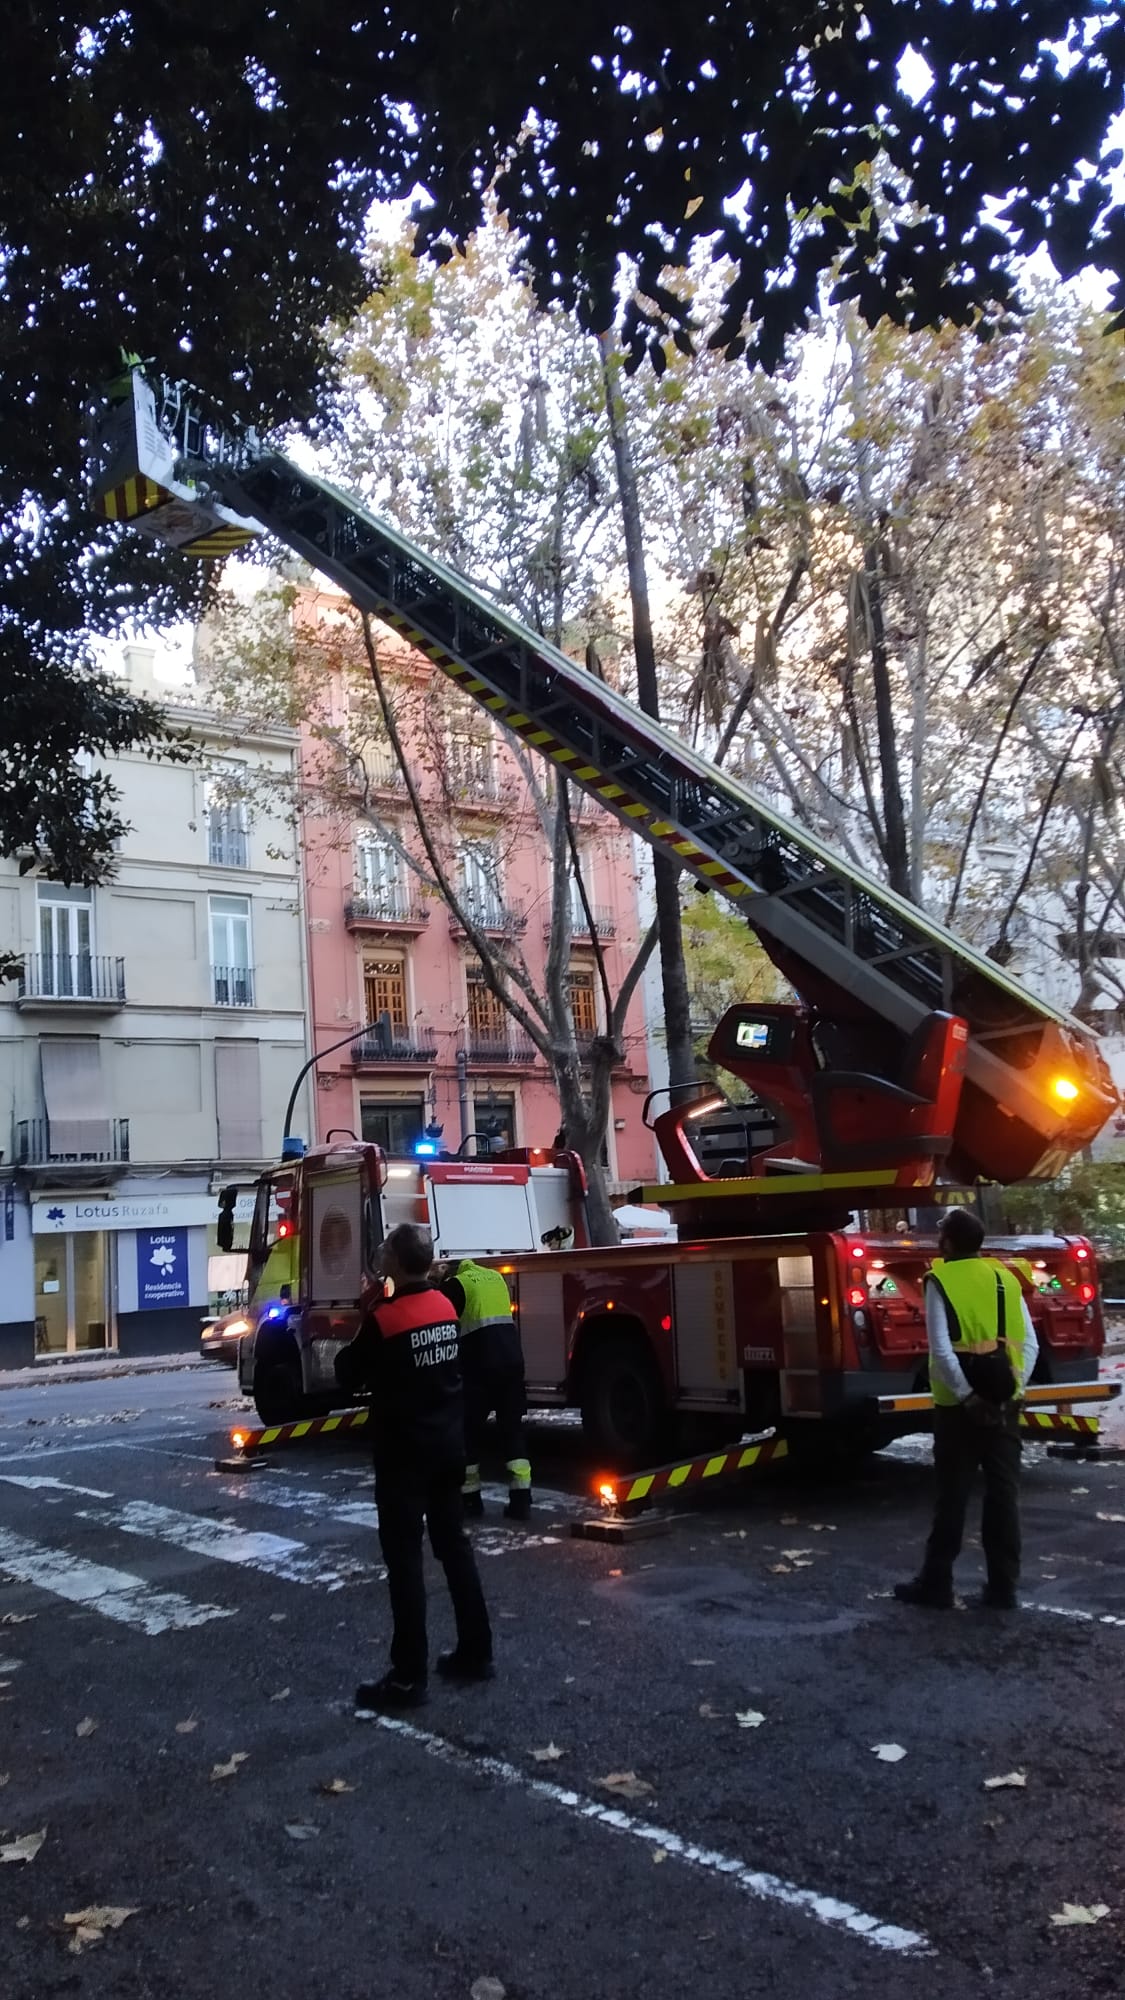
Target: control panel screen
753	1035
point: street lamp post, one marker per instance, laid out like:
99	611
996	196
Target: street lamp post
355	1036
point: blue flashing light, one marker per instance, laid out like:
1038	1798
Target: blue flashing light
425	1149
293	1148
275	1312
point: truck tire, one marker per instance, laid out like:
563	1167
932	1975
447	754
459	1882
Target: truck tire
279	1394
624	1408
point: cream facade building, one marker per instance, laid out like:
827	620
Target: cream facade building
148	1050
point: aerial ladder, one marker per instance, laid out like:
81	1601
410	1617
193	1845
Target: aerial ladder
1015	1085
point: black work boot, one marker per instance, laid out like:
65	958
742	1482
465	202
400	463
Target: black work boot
458	1666
933	1596
472	1506
392	1692
998	1597
519	1504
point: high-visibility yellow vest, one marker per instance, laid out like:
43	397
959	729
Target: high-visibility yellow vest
486	1296
280	1268
972	1302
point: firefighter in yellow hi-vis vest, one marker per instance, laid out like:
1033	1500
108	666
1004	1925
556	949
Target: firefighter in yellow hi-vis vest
982	1351
492	1370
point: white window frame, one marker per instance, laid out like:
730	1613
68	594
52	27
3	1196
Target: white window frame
66	969
481	883
223	968
380	873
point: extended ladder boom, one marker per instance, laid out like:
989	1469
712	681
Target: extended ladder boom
1036	1089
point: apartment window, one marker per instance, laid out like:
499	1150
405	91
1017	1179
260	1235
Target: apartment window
583	1003
231	974
494	1122
393	1123
488	1017
471	760
228	842
379	877
480	883
369	747
384	990
66	940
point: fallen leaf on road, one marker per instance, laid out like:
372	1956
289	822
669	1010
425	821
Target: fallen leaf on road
549	1754
790	1520
18	1617
185	1728
791	1555
659	1854
4	1776
1011	1781
301	1830
1078	1489
583	1621
749	1718
706	1709
802	1562
701	1663
90	1926
23	1923
281	1695
487	1989
334	1788
888	1753
25	1848
780	1569
86	1727
823	1527
228	1769
626	1784
277	1617
1109	1517
1080	1913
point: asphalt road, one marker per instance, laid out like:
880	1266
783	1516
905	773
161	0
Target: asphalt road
160	1621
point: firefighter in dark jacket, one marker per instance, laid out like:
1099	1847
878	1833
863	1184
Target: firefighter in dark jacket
492	1364
406	1353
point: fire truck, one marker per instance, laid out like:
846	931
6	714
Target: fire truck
909	1063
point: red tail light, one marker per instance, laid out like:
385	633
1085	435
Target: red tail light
1087	1292
856	1295
1081	1254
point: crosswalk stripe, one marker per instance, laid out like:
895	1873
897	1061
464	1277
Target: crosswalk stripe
216	1541
114	1593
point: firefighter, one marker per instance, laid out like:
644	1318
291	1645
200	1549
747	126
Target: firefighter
492	1365
982	1351
406	1353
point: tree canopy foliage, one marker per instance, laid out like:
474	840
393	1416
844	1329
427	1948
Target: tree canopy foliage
192	184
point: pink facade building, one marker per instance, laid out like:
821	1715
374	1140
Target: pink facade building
386	953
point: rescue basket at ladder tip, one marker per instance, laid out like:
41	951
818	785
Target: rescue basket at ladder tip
1036	1087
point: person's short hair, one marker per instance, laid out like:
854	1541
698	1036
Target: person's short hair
412	1248
963	1231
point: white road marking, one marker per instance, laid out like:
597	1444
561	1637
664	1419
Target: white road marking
115	1593
1067	1611
218	1541
769	1888
34	1484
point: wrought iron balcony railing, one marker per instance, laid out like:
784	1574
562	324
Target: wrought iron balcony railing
501	1047
34	1145
73	977
232	985
399	1046
386	906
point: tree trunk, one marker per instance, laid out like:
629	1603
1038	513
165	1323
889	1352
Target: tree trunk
895	851
673	972
585	1115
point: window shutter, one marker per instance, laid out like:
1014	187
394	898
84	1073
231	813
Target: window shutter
238	1099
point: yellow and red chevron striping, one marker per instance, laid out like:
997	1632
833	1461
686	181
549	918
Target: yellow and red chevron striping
629	1488
250	1441
1058	1420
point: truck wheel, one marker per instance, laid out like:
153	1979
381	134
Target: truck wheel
624	1411
279	1394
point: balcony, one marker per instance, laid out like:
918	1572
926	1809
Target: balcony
232	986
605	922
376	770
501	1048
77	981
390	909
394	1045
33	1146
496	918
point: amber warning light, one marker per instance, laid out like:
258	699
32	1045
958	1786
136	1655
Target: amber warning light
238	1439
1064	1089
607	1493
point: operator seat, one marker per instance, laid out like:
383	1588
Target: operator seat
867	1120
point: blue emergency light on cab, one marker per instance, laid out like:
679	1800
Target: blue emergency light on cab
429	1145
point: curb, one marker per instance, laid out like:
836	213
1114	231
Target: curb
92	1371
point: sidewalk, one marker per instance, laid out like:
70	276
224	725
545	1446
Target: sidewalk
98	1369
